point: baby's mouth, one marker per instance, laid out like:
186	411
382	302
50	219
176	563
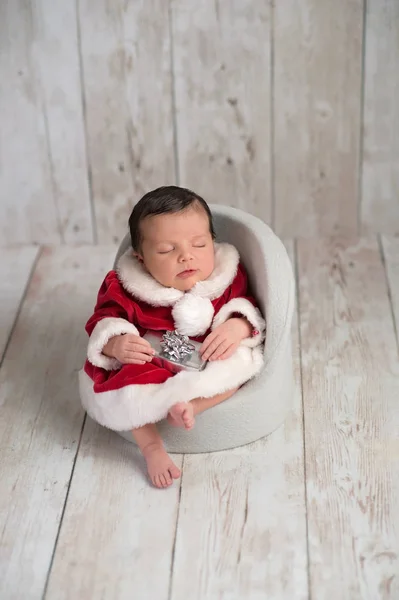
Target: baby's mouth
187	273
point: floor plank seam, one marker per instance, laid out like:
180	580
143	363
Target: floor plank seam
172	560
296	267
94	232
173	90
63	509
272	125
21	303
389	290
361	123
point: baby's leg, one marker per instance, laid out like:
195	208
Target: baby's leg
183	413
161	469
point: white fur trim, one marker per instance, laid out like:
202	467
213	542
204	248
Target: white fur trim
226	266
102	332
133	406
248	310
136	280
193	315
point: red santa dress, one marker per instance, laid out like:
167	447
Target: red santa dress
125	396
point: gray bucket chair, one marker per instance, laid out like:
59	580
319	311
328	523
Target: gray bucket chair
260	405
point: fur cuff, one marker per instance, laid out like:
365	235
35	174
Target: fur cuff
104	331
133	406
247	310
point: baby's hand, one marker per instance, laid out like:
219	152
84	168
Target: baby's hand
225	339
129	349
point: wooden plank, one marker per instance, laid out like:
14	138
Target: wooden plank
41	417
118	531
27	210
242	525
15	269
390	247
127	79
57	56
351	389
380	176
317	111
222	80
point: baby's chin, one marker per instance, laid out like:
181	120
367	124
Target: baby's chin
184	285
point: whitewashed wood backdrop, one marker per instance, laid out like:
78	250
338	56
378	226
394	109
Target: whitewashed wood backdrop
287	109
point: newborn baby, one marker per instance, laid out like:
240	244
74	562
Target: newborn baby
174	277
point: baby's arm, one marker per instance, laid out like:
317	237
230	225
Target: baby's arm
237	320
225	339
114	338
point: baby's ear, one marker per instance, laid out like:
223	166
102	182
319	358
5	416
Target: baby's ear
138	256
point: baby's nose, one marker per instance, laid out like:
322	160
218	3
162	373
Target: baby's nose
186	256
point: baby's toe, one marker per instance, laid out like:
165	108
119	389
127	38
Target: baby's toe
156	481
175	472
188	420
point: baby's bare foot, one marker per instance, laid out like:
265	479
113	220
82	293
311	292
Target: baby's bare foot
161	468
182	415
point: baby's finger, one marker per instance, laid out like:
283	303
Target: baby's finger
211	349
136	347
133	361
140	357
207	342
137	341
144	343
229	352
220	350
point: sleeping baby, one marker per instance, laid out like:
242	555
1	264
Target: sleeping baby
174	277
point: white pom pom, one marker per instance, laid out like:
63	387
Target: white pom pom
192	315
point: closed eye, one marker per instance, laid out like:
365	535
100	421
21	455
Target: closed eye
165	252
200	246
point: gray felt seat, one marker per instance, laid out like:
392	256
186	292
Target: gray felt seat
261	405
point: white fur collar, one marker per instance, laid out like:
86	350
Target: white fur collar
136	280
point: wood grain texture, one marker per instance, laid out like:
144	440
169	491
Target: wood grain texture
117	536
317	113
380	175
222	82
56	51
41	417
127	80
242	525
15	268
27	209
351	389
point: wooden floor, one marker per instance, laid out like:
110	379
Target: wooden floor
310	512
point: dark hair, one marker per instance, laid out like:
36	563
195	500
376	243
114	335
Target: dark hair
166	199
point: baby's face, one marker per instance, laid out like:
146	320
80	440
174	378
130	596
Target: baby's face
177	248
